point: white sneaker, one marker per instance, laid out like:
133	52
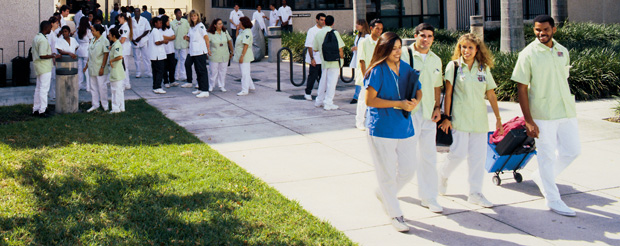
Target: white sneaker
175	84
433	206
128	87
318	105
559	207
223	89
159	91
115	111
242	93
138	76
196	86
360	127
92	109
399	224
308	97
196	92
186	85
210	88
167	85
443	185
479	199
203	94
330	107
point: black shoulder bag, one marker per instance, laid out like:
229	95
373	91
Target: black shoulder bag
442	138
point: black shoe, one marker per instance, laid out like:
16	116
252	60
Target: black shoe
353	101
35	113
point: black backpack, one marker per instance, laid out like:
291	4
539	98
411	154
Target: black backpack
331	52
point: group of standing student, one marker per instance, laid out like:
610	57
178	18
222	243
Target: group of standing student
400	145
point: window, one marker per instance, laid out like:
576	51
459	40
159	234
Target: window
295	4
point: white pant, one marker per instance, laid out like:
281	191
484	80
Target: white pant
218	73
425	133
472	146
558	145
246	79
40	92
360	116
394	166
141	55
99	91
83	77
126	81
327	86
118	95
179	73
52	90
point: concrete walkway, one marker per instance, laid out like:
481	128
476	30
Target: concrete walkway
321	160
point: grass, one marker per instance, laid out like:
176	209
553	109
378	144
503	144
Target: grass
135	178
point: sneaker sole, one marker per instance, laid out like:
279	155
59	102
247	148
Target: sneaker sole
429	208
563	213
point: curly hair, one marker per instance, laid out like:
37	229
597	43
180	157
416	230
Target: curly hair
483	55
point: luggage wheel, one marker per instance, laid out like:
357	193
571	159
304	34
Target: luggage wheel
496	180
518	177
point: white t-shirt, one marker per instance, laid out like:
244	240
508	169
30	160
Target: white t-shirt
274	16
310	41
197	45
83	43
260	19
51	39
62	44
63	22
139	27
286	12
170	45
235	16
77	17
156	52
124	31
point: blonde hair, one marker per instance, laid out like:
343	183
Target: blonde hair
189	18
483	55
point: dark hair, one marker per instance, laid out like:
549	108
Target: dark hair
99	28
98	18
131	8
375	22
64	8
177	10
145	8
329	20
246	22
161	11
56	14
97	5
424	26
53	19
83	27
164	22
65	27
123	9
545	18
155	20
212	27
384	48
114	32
319	15
43	25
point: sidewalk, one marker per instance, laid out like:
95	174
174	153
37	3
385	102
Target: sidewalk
320	159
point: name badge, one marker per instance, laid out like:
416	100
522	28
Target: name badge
221	45
560	54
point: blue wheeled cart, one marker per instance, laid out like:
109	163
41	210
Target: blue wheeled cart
512	162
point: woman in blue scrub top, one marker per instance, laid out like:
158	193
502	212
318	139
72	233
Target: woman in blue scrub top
390	132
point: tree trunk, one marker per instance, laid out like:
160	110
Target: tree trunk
559	11
512	39
359	11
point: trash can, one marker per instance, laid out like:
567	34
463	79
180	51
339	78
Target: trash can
274	36
67	89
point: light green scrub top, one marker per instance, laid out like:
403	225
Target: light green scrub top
430	77
244	37
546	71
180	28
219	46
96	49
41	48
469	109
365	49
318	45
116	73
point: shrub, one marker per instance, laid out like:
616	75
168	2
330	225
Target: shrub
296	42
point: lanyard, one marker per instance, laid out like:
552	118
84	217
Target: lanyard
396	82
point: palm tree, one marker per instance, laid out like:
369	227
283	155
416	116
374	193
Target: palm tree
512	38
559	11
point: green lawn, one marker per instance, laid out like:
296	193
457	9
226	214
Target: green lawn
135	178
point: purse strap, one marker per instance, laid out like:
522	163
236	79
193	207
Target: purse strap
456	66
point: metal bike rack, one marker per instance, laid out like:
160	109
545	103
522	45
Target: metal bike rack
291	67
352	76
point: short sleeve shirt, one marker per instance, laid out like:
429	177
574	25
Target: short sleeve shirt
430	77
117	72
310	41
259	17
219	46
365	49
169	47
286	12
245	37
71	47
96	50
197	45
83	42
469	109
124	31
274	17
388	122
546	72
156	52
180	28
41	47
139	27
318	44
235	16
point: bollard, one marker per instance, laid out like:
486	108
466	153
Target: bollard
274	36
67	89
476	25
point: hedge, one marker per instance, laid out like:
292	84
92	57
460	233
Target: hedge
594	52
